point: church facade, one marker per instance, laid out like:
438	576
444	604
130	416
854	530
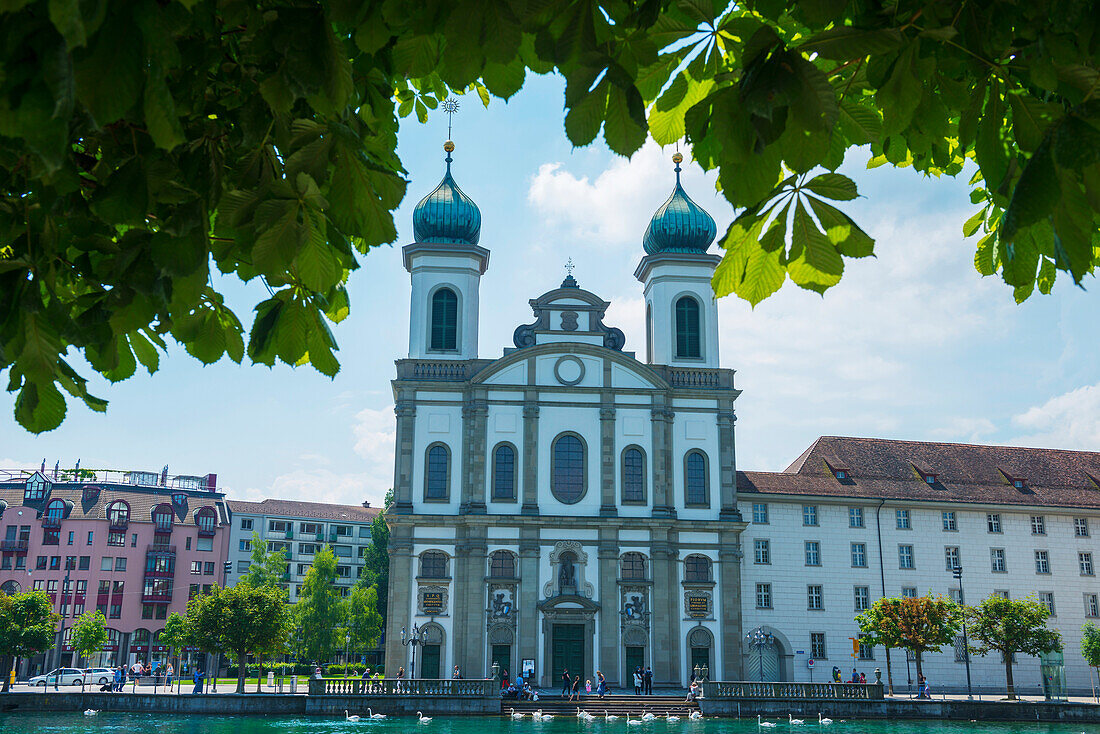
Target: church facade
573	505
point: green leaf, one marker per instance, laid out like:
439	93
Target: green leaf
66	18
846	42
850	240
899	97
971	226
416	55
316	263
504	80
583	121
108	81
292	333
1076	143
355	205
623	130
815	264
1035	195
160	113
278	242
835	186
1019	260
123	197
984	256
145	352
989	147
860	124
1047	273
40	407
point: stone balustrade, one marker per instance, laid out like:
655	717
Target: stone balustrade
451	688
793	691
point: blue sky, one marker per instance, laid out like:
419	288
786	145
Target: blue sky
912	344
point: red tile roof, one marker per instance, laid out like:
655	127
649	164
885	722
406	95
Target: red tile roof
882	468
312	510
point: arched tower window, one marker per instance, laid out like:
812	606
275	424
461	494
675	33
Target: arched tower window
437	472
633	567
649	333
567	468
444	328
504	473
633	480
695	479
502	565
697	569
688	344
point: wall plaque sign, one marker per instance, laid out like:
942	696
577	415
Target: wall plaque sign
698	607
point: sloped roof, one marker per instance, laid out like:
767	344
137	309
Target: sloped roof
883	468
311	510
141	502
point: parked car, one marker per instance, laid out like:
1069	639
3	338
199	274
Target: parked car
60	676
98	676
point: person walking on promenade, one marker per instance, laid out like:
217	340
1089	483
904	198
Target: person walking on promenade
169	672
118	679
575	689
504	679
565	683
647	679
456	675
198	678
637	681
601	684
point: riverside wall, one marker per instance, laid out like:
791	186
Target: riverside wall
955	710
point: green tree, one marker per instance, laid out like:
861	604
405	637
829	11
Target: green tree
319	610
143	144
28	625
376	566
176	634
239	621
1011	626
918	624
1090	645
89	635
266	569
364	623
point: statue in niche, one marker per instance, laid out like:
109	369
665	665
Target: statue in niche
567	575
501	606
634	607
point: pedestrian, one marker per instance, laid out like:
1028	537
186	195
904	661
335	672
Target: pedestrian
400	677
198	679
588	687
601	684
693	691
647	679
504	679
456	675
862	678
836	674
575	689
565	683
169	672
855	676
118	679
123	679
637	681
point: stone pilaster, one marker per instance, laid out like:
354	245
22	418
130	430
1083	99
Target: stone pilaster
608	463
404	440
610	603
527	631
402	581
469	607
530	454
729	601
727	473
667	607
475	413
663	475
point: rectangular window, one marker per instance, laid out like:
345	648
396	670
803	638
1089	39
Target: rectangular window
951	557
133	540
863	598
278	526
204	544
761	551
960	649
1092	605
246	523
51	586
855	517
997	560
993	523
905	556
760	513
364	531
5	564
72	537
196	568
859	555
70	562
245	546
1046	598
814	597
187	543
40	563
1081	527
866	652
192	591
1084	560
116	539
764	596
242	566
817	646
949	523
147	611
909	592
106	563
341	551
956	595
343	530
809	514
20	563
55	563
208	568
116	612
813	553
1003	593
343	571
1038	525
902	518
91	537
1042	562
311	528
85	563
307	549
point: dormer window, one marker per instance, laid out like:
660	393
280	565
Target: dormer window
37	488
90	493
206	519
841	474
929	478
162	518
1019	483
179	499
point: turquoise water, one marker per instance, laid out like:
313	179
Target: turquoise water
119	723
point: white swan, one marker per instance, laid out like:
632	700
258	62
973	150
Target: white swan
794	722
632	722
90	712
696	715
765	724
350	718
515	715
539	716
374	715
823	720
422	718
648	716
670	718
609	717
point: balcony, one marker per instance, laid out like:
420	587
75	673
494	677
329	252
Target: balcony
14	546
157	598
160	573
119	525
161	550
51	521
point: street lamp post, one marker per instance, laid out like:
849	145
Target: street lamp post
760	638
61	608
347	652
957	572
413	639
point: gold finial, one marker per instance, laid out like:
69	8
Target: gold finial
677	158
449	146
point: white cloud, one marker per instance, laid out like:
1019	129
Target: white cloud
967	430
1067	421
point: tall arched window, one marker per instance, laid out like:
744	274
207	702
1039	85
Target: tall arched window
633	567
688	345
162	518
695	479
697	568
444	329
633	479
437	472
118	514
55	510
433	565
504	473
502	565
567	480
206	518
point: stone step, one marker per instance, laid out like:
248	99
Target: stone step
635	706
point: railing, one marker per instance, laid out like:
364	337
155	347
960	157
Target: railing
49	521
165	598
117	526
14	546
699	377
116	476
450	688
161	550
828	691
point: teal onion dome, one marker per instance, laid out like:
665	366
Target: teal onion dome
680	225
447	214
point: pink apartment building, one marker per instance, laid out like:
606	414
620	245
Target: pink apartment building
135	545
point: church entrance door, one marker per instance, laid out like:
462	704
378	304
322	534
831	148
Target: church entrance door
567	650
502	656
429	668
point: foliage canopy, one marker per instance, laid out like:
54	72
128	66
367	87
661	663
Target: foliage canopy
27	626
89	634
1090	644
918	624
319	610
142	144
1011	626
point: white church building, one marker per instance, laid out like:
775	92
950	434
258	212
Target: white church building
573	504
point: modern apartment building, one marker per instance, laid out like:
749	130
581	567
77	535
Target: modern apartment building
301	529
132	544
